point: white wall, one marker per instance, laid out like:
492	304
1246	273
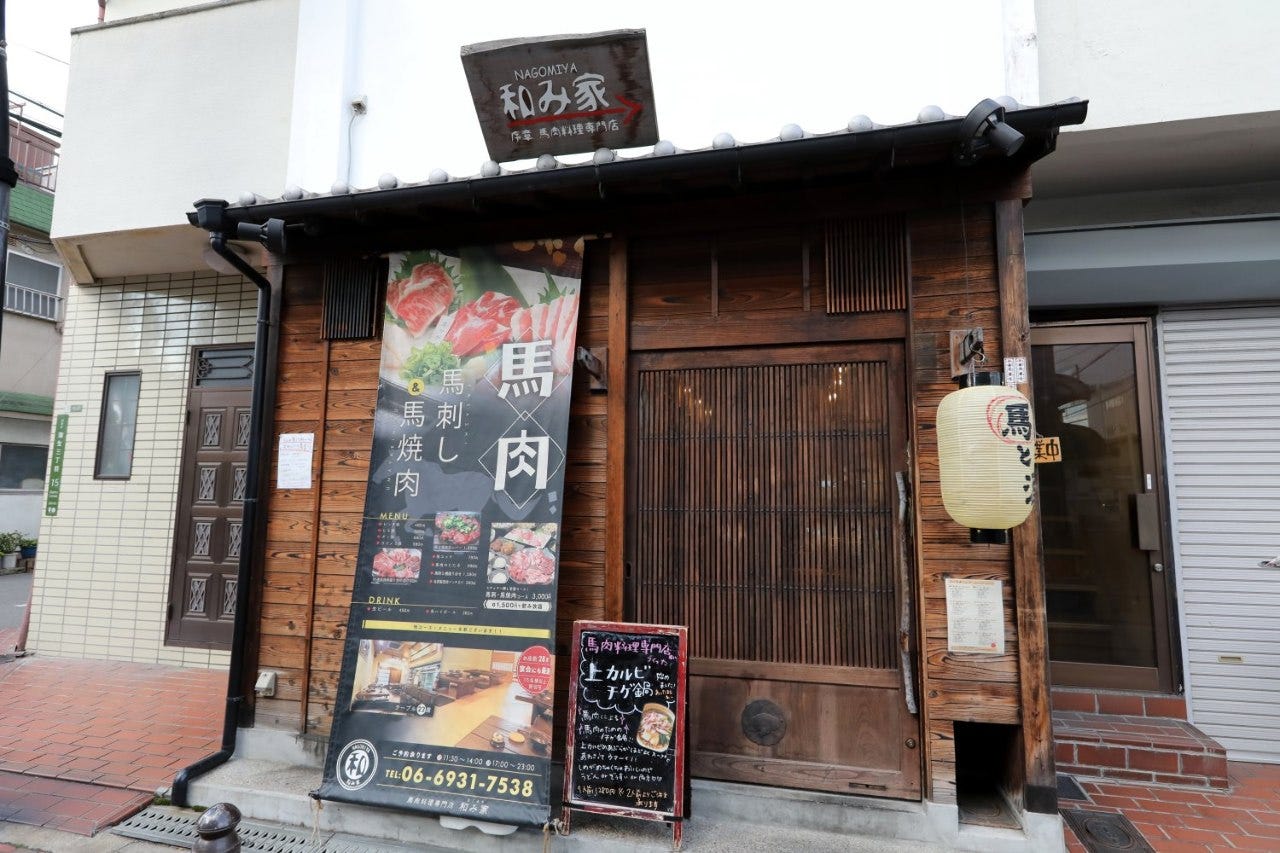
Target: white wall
1159	60
162	112
29	352
716	67
21	511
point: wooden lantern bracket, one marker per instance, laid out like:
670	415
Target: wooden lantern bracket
595	363
966	351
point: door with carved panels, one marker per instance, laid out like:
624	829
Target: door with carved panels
207	540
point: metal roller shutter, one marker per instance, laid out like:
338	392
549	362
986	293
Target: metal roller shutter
1221	382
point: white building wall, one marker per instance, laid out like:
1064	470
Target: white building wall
29	352
1157	61
163	111
715	69
102	587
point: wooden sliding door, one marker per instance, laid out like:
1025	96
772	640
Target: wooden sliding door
765	517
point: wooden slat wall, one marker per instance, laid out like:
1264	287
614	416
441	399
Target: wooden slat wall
948	293
330	389
867	264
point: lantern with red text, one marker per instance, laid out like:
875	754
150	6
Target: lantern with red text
986	457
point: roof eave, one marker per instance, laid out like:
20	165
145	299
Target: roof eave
875	147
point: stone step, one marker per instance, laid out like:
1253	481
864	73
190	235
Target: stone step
725	817
1151	750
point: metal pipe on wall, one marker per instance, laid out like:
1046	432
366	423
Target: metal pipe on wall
249	526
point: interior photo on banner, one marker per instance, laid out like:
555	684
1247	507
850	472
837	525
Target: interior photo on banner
444	700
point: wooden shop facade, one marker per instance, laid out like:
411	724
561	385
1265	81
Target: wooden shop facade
751	449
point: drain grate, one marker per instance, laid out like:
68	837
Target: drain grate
1101	832
177	828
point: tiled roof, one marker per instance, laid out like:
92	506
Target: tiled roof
31	207
29	404
861	135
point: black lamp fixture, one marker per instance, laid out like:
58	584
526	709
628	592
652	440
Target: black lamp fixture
985	128
269	234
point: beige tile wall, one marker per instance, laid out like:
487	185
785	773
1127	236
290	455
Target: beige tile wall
101	586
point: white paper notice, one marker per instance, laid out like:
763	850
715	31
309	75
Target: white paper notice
975	616
293	462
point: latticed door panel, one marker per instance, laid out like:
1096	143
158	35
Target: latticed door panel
765	517
765	512
207	532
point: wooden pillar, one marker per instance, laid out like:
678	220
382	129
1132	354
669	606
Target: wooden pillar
1040	793
616	419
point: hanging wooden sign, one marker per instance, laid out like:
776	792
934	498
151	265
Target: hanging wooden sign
562	94
626	733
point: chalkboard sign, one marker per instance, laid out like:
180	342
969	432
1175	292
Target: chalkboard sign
626	732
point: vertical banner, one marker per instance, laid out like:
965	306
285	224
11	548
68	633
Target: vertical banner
445	695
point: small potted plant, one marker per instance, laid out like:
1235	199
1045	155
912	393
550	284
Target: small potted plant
27	547
9	550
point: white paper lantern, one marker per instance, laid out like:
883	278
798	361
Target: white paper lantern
986	457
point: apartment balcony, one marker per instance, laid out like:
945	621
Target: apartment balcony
35	155
32	302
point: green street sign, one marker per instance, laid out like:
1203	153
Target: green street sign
54	492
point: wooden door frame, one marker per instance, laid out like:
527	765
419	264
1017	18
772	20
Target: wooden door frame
893	352
1140	332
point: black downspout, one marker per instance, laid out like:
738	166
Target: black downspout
249	526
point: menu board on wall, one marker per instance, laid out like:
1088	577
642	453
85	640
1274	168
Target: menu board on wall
445	694
626	730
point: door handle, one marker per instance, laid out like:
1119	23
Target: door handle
1146	521
904	585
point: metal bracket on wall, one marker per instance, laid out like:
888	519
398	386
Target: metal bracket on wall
595	362
966	351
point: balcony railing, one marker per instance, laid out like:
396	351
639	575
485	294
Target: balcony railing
33	303
35	155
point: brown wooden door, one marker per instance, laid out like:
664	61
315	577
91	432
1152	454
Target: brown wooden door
764	517
206	551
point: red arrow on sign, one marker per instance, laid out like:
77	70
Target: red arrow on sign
632	109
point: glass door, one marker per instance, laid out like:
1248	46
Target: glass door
1102	507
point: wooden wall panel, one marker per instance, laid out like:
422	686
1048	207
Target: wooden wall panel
284	617
313	535
330	389
954	285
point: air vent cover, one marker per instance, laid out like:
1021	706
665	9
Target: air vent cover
868	264
353	298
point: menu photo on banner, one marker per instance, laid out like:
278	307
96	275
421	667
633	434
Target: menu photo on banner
444	701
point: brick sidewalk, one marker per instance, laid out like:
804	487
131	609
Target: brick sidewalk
85	743
1187	820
